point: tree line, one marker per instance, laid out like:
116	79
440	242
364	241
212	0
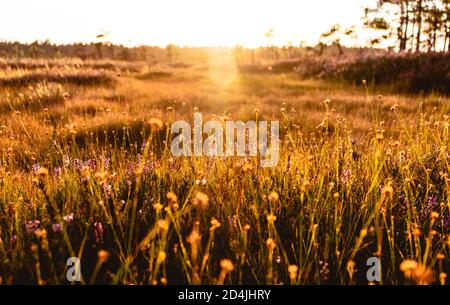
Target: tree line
416	25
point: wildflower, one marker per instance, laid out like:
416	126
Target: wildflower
171	197
155	124
194	237
247	167
247	227
98	232
40	233
68	218
157	206
271	218
387	190
35	168
56	172
273	197
107	188
363	233
161	256
32	225
442	277
434	215
351	268
270	244
72	129
394	107
57	228
407	266
102	256
440	256
423	275
163	226
346	176
201	199
226	265
42	172
214	224
292	269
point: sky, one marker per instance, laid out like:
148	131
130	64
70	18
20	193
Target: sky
181	22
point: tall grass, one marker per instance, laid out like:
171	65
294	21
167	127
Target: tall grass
104	187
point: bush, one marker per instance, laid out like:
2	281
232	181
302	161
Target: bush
407	73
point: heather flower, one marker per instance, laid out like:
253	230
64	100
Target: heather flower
107	188
32	225
346	176
57	228
201	199
98	232
35	168
68	218
57	172
77	164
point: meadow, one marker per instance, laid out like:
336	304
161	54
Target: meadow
86	171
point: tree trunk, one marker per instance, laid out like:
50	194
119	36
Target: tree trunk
419	24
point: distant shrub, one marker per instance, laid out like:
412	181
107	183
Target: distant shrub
412	73
82	78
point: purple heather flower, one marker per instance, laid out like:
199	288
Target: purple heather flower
107	189
77	164
36	167
68	218
57	228
91	163
98	232
432	201
32	225
57	172
346	176
106	162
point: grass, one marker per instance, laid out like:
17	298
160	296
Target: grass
83	173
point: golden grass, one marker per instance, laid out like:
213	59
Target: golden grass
360	176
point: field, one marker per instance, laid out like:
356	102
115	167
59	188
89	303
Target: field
86	171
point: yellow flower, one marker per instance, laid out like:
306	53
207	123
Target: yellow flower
423	275
273	197
292	269
161	256
42	172
201	199
271	218
215	224
442	277
434	215
158	206
162	225
226	265
407	266
102	256
155	124
171	197
247	167
270	243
